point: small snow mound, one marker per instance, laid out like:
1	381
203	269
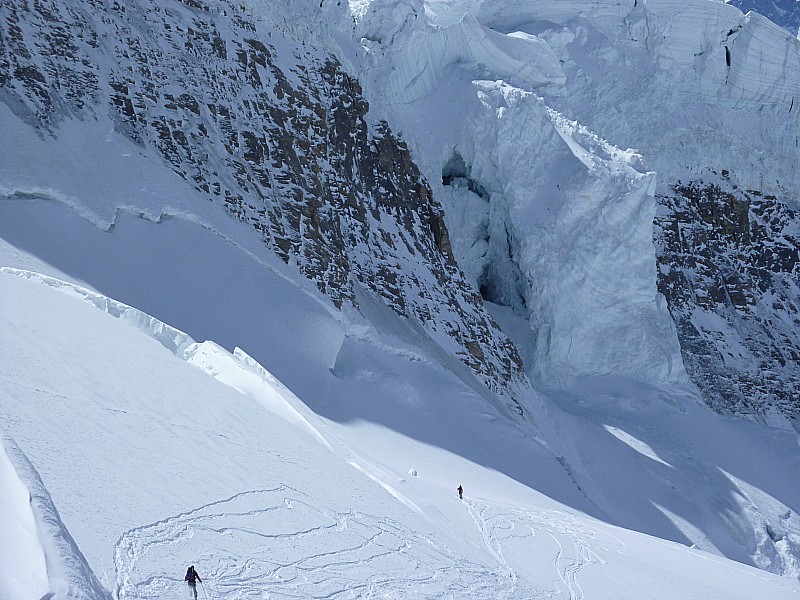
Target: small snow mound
412	472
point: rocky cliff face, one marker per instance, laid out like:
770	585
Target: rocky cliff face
548	217
728	266
277	131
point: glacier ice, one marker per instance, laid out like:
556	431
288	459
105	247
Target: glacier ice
545	216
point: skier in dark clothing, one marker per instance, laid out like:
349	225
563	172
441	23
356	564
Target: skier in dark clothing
192	578
460	492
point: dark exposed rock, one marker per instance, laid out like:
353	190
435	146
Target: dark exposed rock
728	266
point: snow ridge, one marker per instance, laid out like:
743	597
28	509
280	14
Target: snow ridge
69	576
238	370
172	339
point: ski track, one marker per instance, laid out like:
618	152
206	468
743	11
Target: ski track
500	524
276	543
492	542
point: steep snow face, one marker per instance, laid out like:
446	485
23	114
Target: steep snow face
426	50
257	120
696	87
689	84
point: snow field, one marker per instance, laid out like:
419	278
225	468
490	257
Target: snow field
297	546
212	477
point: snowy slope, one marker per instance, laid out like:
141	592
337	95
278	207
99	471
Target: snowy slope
649	459
303	487
190	454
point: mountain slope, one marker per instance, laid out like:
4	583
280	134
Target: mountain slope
728	262
272	129
647	458
261	494
213	165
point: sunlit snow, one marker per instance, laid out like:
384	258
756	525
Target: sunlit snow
171	393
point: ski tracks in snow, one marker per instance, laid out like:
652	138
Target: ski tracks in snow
493	544
280	543
567	543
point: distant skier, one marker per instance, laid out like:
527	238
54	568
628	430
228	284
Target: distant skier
460	492
192	578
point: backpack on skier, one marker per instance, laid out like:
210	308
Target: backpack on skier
191	579
192	576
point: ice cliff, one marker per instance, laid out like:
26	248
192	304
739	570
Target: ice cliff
550	216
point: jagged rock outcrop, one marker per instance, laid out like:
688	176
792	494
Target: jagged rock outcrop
274	129
729	266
